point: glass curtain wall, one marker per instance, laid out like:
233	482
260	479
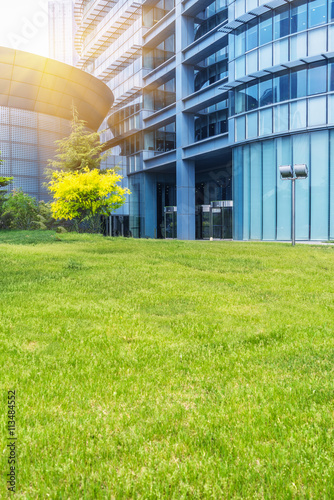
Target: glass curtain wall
152	15
152	58
215	14
313	79
262	201
159	98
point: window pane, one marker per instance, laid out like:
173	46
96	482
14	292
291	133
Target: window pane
240	128
281	88
316	79
269	190
301	149
252	125
239	8
256	192
266	92
317	40
298	46
265	57
330	77
283	145
281	118
317	111
317	12
265	29
240	67
251	62
331	37
240	100
251	35
266	122
298	84
281	51
252	97
240	42
250	5
281	22
319	185
298	20
330	10
331	109
297	115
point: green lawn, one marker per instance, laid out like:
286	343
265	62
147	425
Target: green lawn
166	369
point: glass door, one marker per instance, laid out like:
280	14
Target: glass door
170	218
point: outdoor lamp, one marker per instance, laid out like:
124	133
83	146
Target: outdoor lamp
301	171
287	172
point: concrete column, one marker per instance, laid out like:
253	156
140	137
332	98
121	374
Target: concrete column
185	169
150	205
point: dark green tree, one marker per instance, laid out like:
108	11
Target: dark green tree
81	149
4	182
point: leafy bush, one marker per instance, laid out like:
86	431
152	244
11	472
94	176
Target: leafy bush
21	211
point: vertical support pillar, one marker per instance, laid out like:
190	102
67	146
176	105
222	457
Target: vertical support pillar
185	169
150	206
293	222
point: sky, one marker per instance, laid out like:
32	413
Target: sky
24	25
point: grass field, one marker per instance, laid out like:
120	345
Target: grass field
166	369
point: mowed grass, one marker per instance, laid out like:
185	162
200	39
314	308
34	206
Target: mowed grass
167	369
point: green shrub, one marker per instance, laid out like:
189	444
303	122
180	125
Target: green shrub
22	209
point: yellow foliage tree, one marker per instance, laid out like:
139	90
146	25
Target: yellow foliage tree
86	194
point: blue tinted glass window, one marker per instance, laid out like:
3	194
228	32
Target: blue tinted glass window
281	22
240	42
298	82
231	102
251	35
317	76
252	97
298	19
266	29
240	100
281	88
331	76
317	12
266	92
330	10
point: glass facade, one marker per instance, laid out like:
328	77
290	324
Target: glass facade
248	86
308	81
161	140
262	201
152	58
27	143
152	15
288	33
61	31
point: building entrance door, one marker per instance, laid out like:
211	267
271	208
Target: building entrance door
170	220
203	222
221	219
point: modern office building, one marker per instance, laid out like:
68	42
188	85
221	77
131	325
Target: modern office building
210	99
36	96
62	28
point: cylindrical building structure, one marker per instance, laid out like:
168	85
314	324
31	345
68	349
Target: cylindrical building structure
36	99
